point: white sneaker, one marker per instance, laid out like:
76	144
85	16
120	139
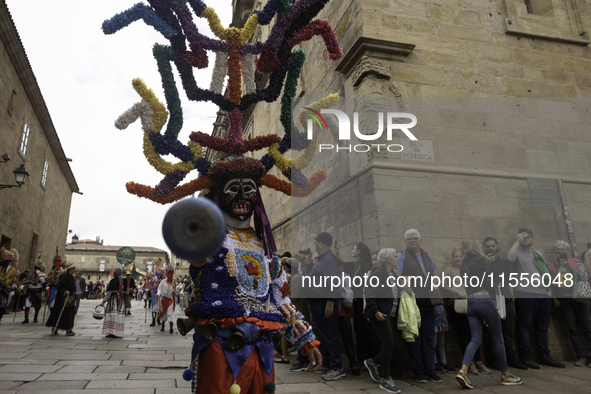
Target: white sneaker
511	380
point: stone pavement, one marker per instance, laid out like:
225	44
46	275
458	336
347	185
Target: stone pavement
146	361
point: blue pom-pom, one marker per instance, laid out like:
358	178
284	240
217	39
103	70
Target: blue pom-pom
188	375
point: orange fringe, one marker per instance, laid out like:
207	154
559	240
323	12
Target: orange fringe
264	325
272	182
203	182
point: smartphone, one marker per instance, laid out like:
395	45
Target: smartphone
522	230
563	256
588	245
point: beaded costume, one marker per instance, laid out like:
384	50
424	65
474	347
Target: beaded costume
242	288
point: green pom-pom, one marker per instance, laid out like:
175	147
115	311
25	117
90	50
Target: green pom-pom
270	387
235	389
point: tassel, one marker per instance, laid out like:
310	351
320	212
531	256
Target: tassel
235	389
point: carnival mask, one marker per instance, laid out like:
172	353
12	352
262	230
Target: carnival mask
238	198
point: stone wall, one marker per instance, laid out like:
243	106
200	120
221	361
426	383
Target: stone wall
476	184
88	259
34	217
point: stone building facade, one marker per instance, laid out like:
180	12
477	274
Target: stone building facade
34	217
95	260
501	90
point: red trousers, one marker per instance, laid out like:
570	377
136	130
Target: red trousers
215	377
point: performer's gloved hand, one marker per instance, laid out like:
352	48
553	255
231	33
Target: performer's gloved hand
315	359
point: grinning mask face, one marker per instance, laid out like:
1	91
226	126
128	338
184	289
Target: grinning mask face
238	198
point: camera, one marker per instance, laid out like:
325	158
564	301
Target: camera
305	252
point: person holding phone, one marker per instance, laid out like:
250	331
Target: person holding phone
576	314
533	301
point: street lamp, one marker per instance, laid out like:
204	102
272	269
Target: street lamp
75	239
20	176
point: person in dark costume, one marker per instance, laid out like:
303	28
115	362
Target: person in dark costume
66	287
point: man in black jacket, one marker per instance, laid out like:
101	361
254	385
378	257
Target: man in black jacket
415	263
128	289
324	306
80	288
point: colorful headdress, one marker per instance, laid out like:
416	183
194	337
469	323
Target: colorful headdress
160	273
57	259
169	269
14	252
6	255
234	57
39	264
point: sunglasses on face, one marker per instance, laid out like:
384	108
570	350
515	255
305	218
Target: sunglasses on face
412	239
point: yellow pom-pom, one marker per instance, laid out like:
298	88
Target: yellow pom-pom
235	389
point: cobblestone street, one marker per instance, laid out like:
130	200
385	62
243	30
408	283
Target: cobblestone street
151	362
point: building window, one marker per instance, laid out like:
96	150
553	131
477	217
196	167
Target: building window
102	266
539	7
25	139
44	176
149	267
84	258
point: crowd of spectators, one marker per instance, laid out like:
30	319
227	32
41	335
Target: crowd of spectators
377	325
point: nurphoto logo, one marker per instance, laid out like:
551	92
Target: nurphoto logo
345	130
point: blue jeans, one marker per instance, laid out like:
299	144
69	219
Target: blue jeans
479	309
528	311
328	331
422	350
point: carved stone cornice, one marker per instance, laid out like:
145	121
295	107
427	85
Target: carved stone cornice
372	48
367	66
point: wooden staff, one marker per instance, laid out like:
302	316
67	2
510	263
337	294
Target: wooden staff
60	316
45	306
146	308
157	313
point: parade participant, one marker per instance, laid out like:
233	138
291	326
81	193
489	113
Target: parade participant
147	293
114	324
35	290
8	278
27	280
186	290
241	288
158	275
166	299
128	289
53	277
62	316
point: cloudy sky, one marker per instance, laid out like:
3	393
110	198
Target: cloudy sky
85	78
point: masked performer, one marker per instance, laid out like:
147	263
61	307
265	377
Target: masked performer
114	324
241	289
158	275
53	278
36	288
147	294
8	278
166	299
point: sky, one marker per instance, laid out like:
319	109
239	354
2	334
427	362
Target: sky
85	78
